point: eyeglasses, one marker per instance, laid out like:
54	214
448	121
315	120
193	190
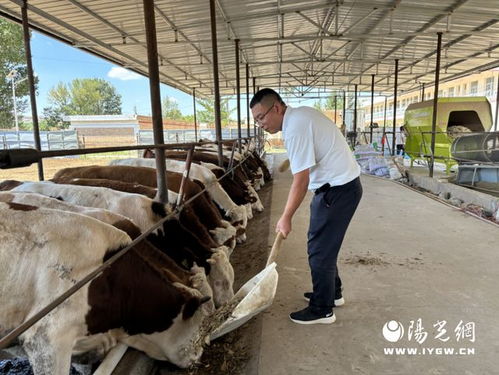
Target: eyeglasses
262	117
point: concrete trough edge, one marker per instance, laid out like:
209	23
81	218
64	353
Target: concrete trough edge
468	196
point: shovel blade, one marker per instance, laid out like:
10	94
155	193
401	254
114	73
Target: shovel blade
255	295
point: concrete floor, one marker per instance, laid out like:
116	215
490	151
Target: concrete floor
406	257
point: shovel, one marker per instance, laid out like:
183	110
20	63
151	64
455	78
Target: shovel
255	295
275	248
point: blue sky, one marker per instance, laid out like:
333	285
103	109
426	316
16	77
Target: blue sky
56	62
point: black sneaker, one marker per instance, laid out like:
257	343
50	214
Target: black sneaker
337	301
308	316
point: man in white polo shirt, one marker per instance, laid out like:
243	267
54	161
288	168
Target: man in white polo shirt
320	161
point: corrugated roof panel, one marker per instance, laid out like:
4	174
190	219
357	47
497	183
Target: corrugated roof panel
295	39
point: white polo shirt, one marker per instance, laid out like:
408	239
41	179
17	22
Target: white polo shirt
313	141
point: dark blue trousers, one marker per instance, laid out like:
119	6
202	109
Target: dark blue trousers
330	213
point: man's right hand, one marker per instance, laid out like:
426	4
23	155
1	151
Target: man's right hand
284	226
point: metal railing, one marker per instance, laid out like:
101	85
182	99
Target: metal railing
34	156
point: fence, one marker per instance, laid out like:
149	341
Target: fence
50	140
70	139
145	137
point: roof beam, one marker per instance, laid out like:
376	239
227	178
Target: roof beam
359	21
172	81
321	28
451	43
229	23
395	3
311	37
123	34
359	4
176	29
429	24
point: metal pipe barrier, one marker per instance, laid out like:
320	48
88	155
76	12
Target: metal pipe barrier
12	335
23	157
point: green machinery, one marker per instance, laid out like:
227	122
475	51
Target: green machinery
455	117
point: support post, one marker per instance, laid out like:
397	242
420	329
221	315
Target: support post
372	109
335	110
238	95
383	139
497	104
157	120
247	101
257	140
435	103
195	118
343	123
395	89
31	83
422	93
355	116
216	83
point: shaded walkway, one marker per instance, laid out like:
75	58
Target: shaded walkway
406	257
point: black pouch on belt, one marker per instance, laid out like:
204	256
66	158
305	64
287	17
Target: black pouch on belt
323	188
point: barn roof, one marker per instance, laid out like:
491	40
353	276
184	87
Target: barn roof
295	44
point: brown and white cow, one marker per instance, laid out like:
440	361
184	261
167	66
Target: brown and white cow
249	165
204	207
237	214
238	175
43	252
185	248
195	280
144	212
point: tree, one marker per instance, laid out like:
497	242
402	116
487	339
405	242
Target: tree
207	114
53	118
12	57
328	103
188	118
170	109
85	96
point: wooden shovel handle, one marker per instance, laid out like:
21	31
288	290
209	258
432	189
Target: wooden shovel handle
275	248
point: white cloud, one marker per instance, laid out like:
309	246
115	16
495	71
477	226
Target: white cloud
122	73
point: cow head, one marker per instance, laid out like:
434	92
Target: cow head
238	216
181	344
221	278
199	281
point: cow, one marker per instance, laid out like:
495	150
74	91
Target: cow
248	165
6	185
121	222
205	208
187	217
44	252
39	200
238	174
144	212
237	214
234	184
126	187
173	239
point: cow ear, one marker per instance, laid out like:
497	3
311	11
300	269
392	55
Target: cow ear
211	261
191	307
158	208
204	299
